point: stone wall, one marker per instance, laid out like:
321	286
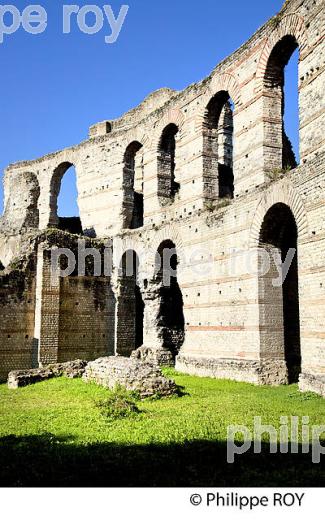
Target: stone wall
17	308
86	319
233	326
45	319
136	376
257	132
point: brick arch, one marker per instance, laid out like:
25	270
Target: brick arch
289	25
223	82
125	255
279	193
70	155
173	116
58	170
61	163
145	250
168	232
127	243
135	135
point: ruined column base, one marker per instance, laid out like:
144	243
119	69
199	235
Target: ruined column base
157	355
270	372
312	383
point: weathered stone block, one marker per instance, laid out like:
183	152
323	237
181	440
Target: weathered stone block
312	383
156	356
134	375
20	378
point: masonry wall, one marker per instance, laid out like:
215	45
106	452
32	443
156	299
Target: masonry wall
75	312
47	320
223	299
257	139
17	308
221	292
86	319
223	309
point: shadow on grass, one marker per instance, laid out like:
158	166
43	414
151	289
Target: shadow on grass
47	460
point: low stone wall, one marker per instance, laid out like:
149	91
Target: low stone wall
249	371
20	378
134	375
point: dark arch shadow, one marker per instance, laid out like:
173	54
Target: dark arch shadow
279	230
132	194
130	306
218	130
167	185
170	320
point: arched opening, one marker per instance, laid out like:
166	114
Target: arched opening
63	203
170	320
291	108
279	302
133	186
130	306
218	130
282	105
167	185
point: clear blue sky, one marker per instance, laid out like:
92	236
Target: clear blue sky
54	86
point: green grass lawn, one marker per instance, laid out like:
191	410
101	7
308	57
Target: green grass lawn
52	433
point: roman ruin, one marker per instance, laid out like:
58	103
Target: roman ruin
209	174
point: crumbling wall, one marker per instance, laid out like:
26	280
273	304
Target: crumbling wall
86	319
49	319
75	313
21	203
224	301
17	310
251	77
21	214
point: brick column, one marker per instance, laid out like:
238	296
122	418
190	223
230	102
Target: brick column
125	317
47	310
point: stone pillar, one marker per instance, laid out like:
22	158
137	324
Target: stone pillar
273	129
153	341
47	311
